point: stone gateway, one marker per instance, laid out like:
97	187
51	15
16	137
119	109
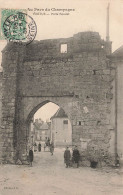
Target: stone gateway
79	78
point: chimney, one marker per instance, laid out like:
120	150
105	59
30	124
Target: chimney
107	24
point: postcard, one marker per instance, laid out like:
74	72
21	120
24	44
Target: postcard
61	88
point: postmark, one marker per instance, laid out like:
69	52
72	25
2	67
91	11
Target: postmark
19	27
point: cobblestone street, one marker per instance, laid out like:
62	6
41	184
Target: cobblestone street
49	176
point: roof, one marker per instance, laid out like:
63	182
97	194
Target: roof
44	126
59	114
118	53
37	125
40	126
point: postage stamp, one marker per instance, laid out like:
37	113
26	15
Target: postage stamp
17	26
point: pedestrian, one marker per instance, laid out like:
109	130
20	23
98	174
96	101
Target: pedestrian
52	148
44	146
117	160
76	156
67	157
35	147
48	141
30	156
39	147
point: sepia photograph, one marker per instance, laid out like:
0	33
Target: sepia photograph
61	105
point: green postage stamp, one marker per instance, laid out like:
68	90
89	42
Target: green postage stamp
17	26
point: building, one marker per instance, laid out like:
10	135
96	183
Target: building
116	59
41	130
61	129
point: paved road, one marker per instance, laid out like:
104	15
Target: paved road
48	176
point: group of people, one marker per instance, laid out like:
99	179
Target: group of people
50	145
31	155
70	159
37	147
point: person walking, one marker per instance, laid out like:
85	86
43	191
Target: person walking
76	156
52	148
39	147
67	157
30	156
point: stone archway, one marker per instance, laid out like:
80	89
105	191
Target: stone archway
79	81
29	107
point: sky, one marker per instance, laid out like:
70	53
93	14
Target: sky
46	111
89	15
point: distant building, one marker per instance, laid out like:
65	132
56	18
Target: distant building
61	128
40	130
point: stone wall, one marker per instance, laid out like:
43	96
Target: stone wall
1	76
79	81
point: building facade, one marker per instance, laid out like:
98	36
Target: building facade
42	130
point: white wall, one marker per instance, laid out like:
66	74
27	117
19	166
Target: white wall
62	132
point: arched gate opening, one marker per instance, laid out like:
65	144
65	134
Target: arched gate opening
47	123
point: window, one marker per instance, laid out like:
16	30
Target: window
63	48
65	122
80	123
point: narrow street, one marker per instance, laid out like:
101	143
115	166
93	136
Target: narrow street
49	176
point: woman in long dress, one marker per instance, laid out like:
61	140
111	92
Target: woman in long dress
30	156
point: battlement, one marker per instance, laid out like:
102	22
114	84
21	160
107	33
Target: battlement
79	43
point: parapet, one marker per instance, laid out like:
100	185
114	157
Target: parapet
80	42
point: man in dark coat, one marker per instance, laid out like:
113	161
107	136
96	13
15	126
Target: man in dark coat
76	156
67	157
39	147
30	157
